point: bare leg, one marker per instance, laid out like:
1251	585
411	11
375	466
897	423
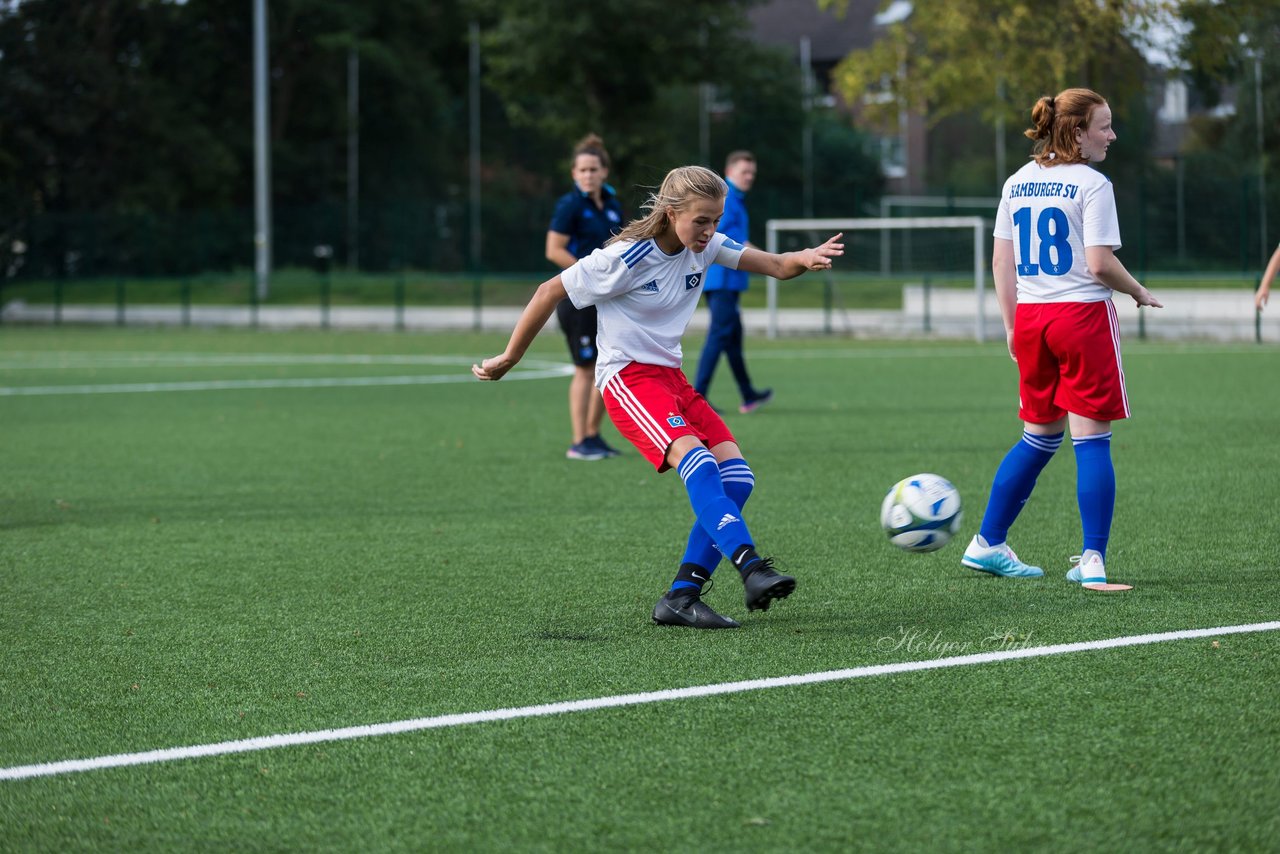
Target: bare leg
595	410
582	394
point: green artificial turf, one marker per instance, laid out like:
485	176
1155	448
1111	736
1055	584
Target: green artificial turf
185	567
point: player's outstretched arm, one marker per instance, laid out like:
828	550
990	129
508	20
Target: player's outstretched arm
788	265
1106	268
532	319
1264	289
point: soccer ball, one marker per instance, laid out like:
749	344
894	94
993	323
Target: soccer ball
921	513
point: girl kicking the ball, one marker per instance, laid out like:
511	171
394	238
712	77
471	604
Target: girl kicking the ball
1055	268
645	285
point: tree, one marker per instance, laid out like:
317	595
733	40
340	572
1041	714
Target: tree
1223	38
953	56
102	110
93	113
126	138
564	68
1236	47
119	116
768	117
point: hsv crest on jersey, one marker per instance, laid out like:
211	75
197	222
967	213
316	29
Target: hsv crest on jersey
676	420
692	281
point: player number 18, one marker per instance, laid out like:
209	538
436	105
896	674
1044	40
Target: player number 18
1055	249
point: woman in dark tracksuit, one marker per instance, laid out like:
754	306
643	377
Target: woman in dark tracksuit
584	219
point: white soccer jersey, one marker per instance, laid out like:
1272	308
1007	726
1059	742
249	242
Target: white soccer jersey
1051	214
644	298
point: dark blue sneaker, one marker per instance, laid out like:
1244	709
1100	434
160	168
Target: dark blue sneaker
583	451
757	401
598	443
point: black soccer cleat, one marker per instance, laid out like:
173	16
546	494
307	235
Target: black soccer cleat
684	607
762	585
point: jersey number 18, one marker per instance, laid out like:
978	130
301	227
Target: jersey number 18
1053	229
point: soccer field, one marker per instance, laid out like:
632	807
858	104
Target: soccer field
214	537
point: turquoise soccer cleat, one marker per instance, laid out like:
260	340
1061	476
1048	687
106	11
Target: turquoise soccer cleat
998	560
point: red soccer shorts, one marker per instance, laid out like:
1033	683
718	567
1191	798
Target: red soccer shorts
653	406
1069	361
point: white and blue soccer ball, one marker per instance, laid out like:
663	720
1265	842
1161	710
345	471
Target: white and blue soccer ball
921	513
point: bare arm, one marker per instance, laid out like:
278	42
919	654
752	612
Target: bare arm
1106	268
558	250
788	265
1264	289
532	319
1005	275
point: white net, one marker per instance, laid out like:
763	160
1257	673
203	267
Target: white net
898	275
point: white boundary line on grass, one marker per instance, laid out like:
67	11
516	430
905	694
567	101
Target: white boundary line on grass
312	382
24	360
18	360
269	742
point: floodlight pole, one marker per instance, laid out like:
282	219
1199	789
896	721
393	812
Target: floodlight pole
473	99
704	124
1262	154
474	138
705	95
261	156
1001	158
806	138
353	158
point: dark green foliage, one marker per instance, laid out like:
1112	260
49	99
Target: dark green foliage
126	126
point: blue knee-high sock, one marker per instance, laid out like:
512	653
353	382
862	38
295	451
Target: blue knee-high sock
1013	483
718	516
701	555
1095	489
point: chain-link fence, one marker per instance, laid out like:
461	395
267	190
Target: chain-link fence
1186	226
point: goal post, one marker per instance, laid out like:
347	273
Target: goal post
916	205
774	228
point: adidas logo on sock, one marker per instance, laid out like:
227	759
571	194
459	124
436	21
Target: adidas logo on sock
727	519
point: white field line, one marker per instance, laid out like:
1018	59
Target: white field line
309	382
57	360
45	360
269	742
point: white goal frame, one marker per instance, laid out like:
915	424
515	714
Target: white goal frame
831	226
950	203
